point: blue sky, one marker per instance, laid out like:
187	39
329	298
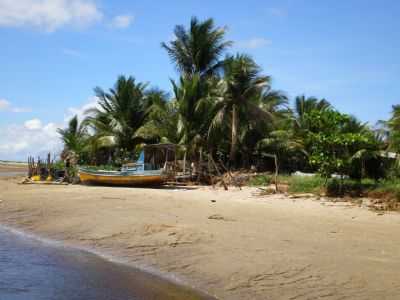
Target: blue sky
54	52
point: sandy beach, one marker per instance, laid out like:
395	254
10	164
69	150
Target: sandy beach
230	244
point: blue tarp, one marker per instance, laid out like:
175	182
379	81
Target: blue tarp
141	158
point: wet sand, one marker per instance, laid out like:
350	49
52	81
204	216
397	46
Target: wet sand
233	245
35	269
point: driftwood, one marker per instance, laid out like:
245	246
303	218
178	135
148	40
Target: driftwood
218	172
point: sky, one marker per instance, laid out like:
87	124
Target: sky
54	52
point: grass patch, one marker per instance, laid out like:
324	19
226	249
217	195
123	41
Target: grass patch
260	180
296	184
309	184
386	188
384	193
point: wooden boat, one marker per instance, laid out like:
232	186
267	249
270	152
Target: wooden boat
151	169
123	178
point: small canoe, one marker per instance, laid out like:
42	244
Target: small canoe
123	178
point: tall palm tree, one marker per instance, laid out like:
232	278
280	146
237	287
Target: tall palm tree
276	103
163	120
304	105
123	111
74	136
198	49
392	129
242	86
192	97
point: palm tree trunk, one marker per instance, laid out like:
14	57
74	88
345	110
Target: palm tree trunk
234	141
184	162
200	169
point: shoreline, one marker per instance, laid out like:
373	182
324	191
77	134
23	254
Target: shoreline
165	279
169	284
232	245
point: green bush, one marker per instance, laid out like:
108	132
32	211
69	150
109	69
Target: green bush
387	188
102	167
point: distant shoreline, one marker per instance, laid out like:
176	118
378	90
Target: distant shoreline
10	162
13	167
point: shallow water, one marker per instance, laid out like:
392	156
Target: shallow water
12	174
31	269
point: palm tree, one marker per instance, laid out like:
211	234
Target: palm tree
276	103
392	129
74	136
163	121
242	86
303	106
123	111
197	50
192	97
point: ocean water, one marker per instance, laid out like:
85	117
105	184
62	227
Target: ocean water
31	269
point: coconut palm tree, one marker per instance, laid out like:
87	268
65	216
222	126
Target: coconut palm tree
252	130
392	129
304	105
74	136
162	122
242	86
122	113
192	96
198	49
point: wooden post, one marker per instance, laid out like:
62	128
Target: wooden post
209	170
276	173
275	157
199	169
184	162
29	167
175	163
48	164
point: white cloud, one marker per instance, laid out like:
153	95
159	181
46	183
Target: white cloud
254	43
34	124
34	137
19	141
48	15
6	106
122	21
80	111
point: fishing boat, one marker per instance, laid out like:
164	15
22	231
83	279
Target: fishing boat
151	169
